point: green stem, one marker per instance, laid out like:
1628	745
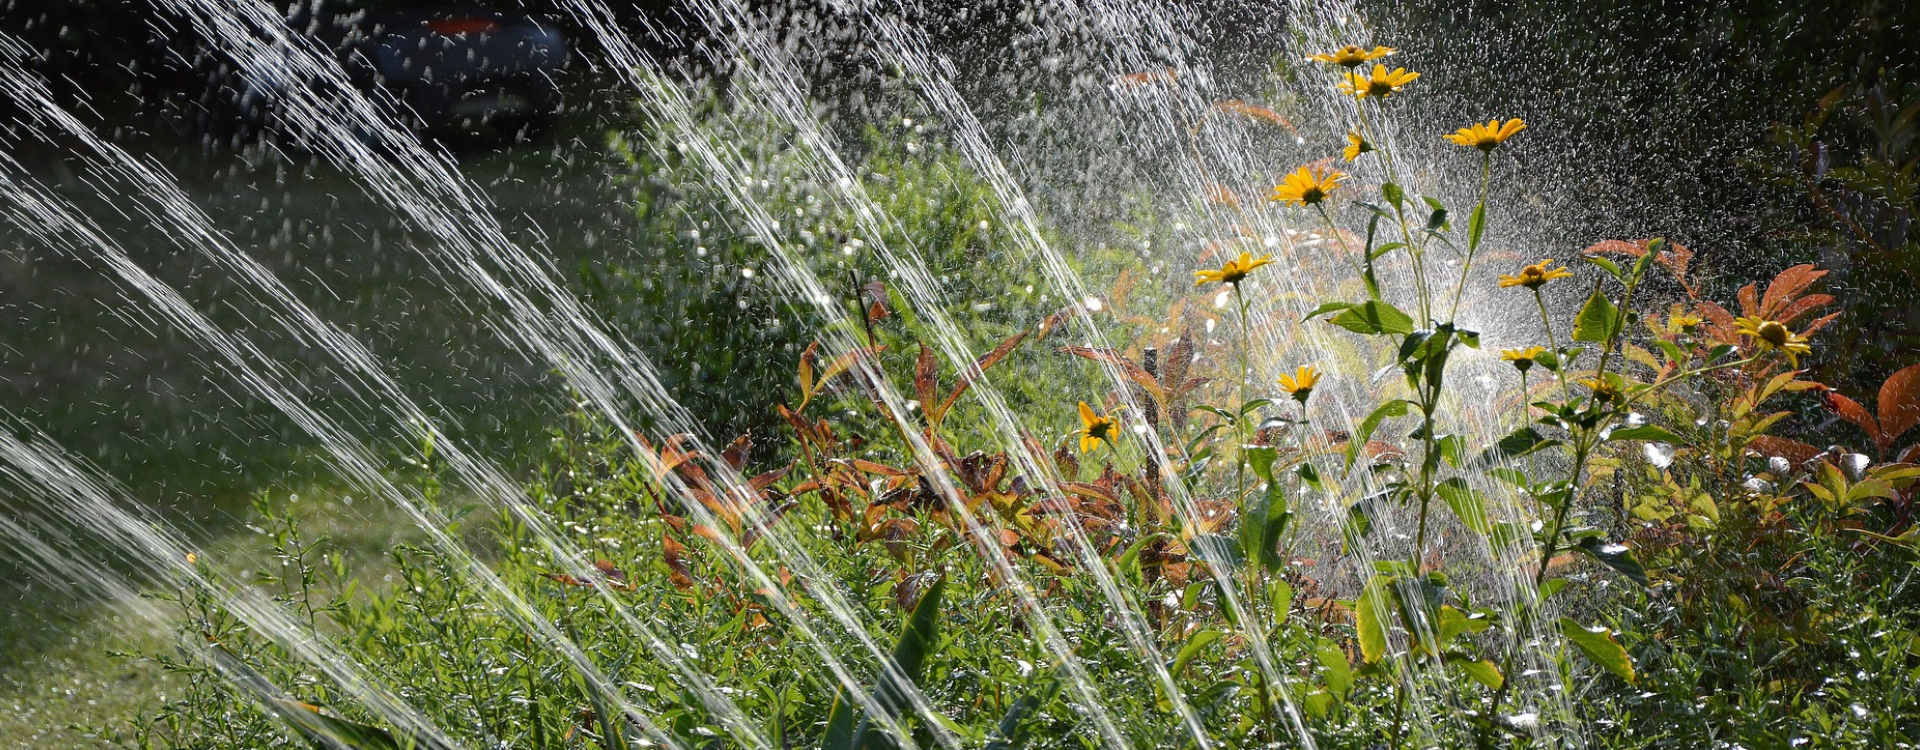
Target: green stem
1466	267
1416	251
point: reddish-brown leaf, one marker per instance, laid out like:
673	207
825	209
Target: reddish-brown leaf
1617	247
1851	410
1749	301
1899	403
923	375
1792	450
1786	286
1792	311
845	362
1136	80
1256	112
762	480
675	555
1132	370
735	453
968	378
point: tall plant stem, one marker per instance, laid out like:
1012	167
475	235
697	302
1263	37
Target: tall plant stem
1473	247
1416	251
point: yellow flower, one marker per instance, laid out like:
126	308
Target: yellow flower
1535	276
1380	84
1307	186
1771	334
1356	145
1489	136
1300	384
1603	390
1681	322
192	558
1233	271
1523	359
1352	55
1095	428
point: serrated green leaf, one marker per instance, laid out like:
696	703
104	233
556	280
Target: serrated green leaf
1598	321
1372	617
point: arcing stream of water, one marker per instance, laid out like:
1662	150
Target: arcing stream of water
56	496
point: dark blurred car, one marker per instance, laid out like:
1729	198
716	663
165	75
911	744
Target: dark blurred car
462	75
460	72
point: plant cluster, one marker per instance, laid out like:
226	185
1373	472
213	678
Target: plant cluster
1198	556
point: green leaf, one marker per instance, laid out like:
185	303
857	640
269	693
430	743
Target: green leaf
1012	733
1261	458
1481	671
1644	432
1613	269
1437	219
1382	250
1280	598
1476	225
1671	350
1654	248
1195	644
1616	556
1600	647
1373	318
1372	617
1310	475
905	671
1363	433
1328	307
1334	665
1519	443
1218	550
1393	193
1466	504
326	731
1598	321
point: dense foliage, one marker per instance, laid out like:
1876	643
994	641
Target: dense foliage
1635	542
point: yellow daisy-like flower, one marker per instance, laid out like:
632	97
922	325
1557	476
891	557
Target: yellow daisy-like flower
1523	359
1681	322
1603	390
1307	186
1771	334
1300	384
1380	84
1535	276
1352	55
1232	271
1489	136
1095	428
1356	145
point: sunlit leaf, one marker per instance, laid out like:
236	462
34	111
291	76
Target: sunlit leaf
1599	647
1598	321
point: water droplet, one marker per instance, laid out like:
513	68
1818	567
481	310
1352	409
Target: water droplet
1658	454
